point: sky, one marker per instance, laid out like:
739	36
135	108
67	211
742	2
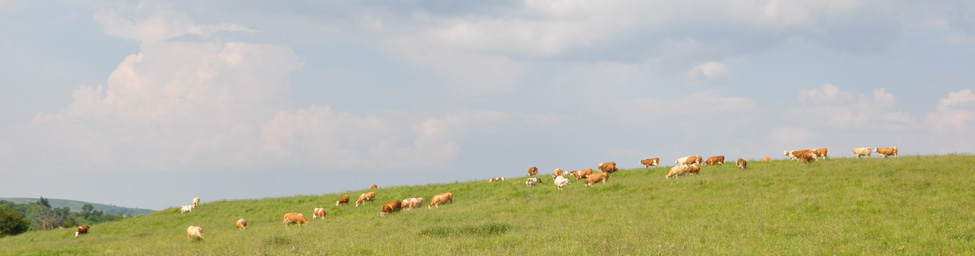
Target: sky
152	103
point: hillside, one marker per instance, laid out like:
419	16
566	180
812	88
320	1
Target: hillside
907	205
75	205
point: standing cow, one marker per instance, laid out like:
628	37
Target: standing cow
715	160
342	201
83	229
861	152
650	162
561	181
741	163
608	167
597	177
439	199
294	218
194	232
533	171
885	152
677	170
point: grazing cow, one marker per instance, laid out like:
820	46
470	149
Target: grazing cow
344	200
803	156
650	162
561	182
194	231
766	159
83	229
741	163
608	167
677	170
187	208
294	218
885	152
582	173
558	172
373	186
196	201
715	160
532	181
861	152
441	199
597	177
496	179
390	207
241	224
411	203
693	168
533	171
820	153
318	213
364	197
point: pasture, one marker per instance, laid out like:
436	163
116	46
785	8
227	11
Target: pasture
871	206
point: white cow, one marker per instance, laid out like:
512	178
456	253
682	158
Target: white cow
532	181
561	181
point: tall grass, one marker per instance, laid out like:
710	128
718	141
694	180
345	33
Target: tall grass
906	205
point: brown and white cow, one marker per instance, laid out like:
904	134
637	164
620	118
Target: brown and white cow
241	224
597	177
439	199
365	197
411	203
581	174
194	232
533	171
688	160
558	172
496	179
677	170
390	207
83	229
885	152
715	160
373	186
741	163
294	218
861	152
803	156
766	159
318	213
693	168
344	200
608	167
650	162
820	153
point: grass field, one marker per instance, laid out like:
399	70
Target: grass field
906	205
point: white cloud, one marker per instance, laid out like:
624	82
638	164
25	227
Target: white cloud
842	109
954	113
708	71
153	22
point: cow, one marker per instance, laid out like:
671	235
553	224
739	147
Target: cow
294	218
196	201
741	163
688	160
803	156
715	160
694	160
496	179
186	208
83	229
766	159
441	199
344	200
788	153
318	213
533	171
390	207
532	181
608	167
820	153
561	182
582	173
241	224
194	232
677	170
365	197
373	186
885	152
597	177
558	172
411	203
693	168
861	152
650	162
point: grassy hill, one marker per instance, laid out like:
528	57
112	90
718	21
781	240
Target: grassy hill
76	205
907	205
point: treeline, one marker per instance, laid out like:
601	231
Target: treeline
18	218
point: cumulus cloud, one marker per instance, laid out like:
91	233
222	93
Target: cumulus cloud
954	113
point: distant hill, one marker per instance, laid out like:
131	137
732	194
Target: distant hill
76	206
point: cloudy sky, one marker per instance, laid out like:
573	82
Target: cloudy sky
151	103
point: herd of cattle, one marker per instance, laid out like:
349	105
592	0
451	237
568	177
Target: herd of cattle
685	166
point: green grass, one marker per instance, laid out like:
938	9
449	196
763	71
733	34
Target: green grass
907	205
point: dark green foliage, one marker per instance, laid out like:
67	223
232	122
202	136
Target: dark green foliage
11	222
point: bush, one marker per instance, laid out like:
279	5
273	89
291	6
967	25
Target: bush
11	223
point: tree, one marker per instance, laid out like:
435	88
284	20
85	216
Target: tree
11	222
86	210
44	202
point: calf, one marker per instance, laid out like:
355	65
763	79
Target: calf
741	163
365	197
194	232
608	167
318	213
532	181
441	199
861	152
677	170
83	229
597	177
241	224
582	173
885	152
294	218
650	162
820	153
533	171
766	159
715	160
344	200
561	182
390	207
496	179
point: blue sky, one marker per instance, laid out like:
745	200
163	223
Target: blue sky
152	103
